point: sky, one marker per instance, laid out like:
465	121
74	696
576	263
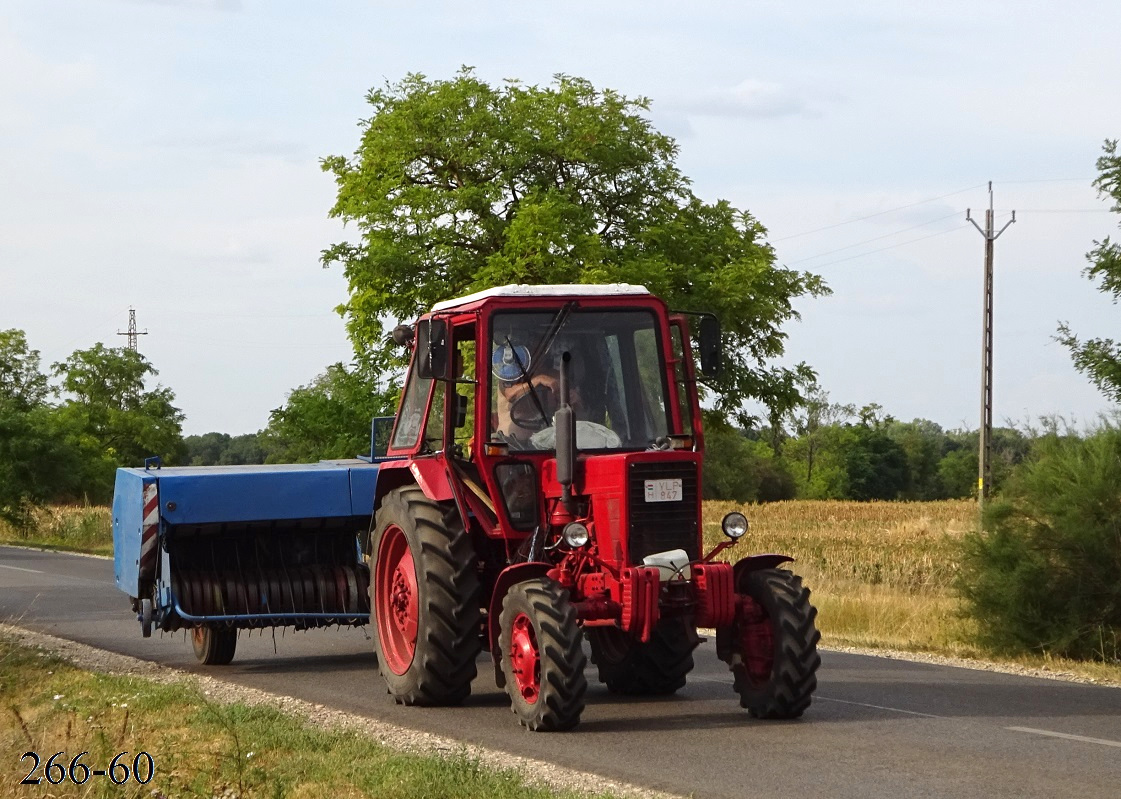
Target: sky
164	156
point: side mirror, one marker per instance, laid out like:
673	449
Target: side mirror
711	354
432	349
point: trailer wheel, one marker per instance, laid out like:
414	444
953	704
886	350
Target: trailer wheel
146	617
213	646
424	600
776	641
657	667
542	657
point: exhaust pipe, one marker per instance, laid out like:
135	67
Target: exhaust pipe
565	421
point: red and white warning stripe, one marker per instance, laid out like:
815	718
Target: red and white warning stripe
149	538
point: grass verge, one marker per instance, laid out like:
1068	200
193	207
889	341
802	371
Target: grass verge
201	748
70	528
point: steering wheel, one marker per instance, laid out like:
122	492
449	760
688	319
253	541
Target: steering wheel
524	411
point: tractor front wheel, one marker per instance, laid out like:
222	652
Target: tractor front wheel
424	600
773	645
655	668
542	658
213	646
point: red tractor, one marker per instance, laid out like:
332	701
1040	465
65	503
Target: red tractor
541	485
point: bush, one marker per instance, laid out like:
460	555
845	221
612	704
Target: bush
1044	575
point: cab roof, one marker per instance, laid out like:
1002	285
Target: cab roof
548	290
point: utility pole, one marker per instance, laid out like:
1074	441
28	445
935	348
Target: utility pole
984	463
132	331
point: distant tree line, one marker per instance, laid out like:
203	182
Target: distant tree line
61	440
828	450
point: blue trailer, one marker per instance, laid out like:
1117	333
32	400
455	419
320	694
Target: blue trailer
219	549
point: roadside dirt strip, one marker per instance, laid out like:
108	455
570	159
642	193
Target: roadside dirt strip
537	772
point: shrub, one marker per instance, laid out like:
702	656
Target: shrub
1044	574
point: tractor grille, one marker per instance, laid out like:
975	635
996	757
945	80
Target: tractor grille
661	526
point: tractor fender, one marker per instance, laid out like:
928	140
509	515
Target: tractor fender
428	473
509	576
752	563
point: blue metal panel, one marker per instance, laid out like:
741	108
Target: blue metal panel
211	494
128	519
363	482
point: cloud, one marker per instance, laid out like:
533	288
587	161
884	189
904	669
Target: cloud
233	143
749	99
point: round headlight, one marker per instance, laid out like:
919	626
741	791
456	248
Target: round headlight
734	525
576	535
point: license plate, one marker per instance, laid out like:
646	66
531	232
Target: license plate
663	490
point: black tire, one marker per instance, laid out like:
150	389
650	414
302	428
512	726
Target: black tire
447	636
549	695
213	646
655	668
786	689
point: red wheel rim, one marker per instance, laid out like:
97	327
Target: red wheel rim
525	661
758	644
396	602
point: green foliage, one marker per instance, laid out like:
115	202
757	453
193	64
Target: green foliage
222	449
36	463
328	418
109	418
458	186
33	453
875	463
740	469
1100	359
22	385
1045	574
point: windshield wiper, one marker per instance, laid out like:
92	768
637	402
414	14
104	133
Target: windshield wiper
526	379
555	327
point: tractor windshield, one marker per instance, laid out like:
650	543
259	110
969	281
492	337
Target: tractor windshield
617	386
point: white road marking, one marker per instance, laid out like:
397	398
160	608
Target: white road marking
878	707
1067	736
18	569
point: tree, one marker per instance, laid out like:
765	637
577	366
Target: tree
110	417
1044	574
741	469
328	418
21	382
34	460
1100	358
458	186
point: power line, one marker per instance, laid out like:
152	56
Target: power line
869	241
880	213
892	247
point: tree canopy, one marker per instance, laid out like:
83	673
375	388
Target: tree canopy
111	418
458	186
1100	358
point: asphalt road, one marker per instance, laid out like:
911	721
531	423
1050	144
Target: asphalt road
877	727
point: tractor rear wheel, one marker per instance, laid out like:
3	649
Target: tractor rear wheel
424	600
542	658
776	641
655	668
214	646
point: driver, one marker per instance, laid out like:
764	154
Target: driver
523	405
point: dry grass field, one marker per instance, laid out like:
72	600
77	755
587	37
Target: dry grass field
881	573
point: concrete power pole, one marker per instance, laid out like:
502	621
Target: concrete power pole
984	463
132	331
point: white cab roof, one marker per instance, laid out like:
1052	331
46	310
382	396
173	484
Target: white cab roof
554	290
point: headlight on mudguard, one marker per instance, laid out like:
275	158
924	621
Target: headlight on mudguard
734	525
576	535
